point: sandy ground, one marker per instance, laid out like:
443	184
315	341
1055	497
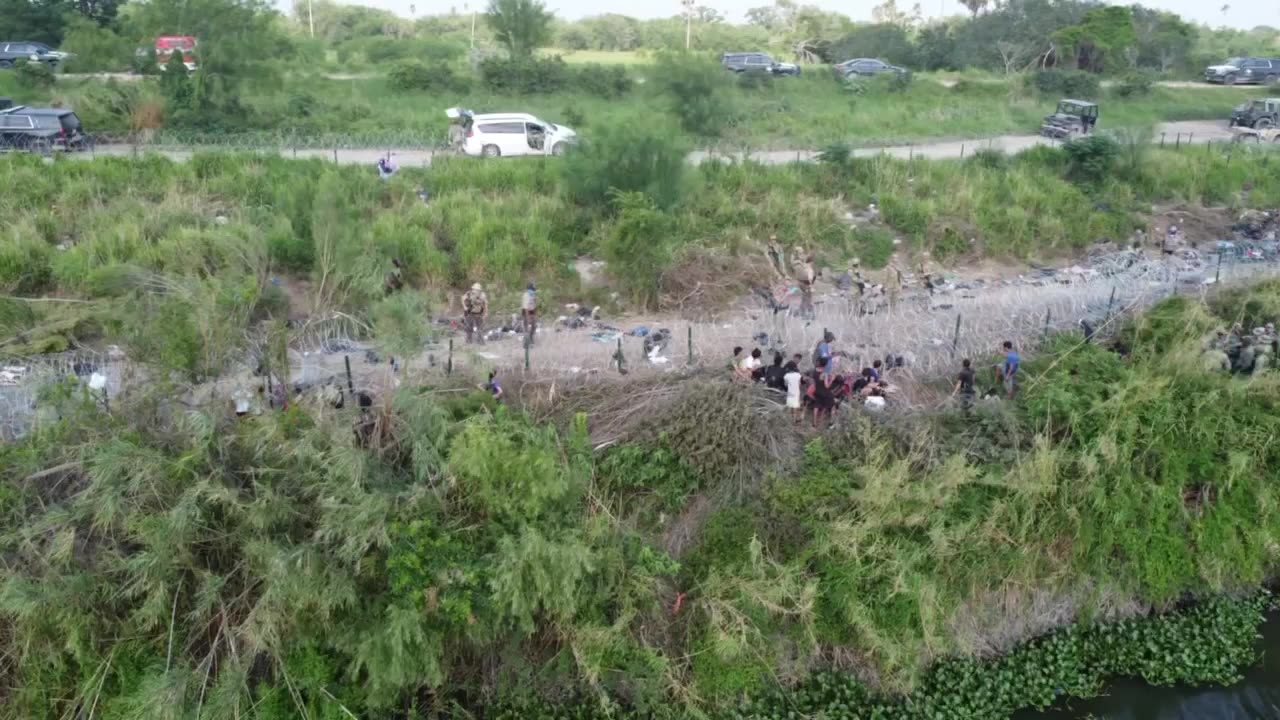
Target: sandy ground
1191	131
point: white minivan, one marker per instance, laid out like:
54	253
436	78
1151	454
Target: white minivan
497	134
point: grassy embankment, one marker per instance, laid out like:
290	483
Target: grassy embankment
789	113
163	560
504	223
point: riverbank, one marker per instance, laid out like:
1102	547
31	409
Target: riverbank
711	553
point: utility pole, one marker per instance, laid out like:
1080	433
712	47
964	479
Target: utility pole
311	20
688	22
473	29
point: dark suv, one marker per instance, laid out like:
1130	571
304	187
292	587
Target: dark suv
12	52
1242	70
867	66
40	129
759	62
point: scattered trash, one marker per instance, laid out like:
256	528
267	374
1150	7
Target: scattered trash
97	381
605	337
640	331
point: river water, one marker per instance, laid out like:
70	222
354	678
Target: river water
1256	697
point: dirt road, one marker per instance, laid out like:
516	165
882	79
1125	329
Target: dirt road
1193	131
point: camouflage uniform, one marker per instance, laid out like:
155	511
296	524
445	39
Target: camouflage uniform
475	307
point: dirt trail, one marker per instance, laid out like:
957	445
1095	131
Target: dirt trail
1185	132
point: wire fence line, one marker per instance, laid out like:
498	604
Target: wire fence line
931	332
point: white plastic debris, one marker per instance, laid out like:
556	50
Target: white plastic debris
875	403
97	381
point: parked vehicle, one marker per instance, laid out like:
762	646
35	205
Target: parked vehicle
1243	70
499	134
40	129
167	45
1257	114
12	52
1071	118
867	66
741	62
1252	135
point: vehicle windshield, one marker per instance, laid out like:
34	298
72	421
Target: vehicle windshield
1070	109
1234	62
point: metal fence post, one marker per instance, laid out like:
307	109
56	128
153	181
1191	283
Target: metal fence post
1048	315
1162	139
526	357
955	341
335	156
1109	303
961	151
1217	274
619	357
690	344
1178	142
448	366
351	387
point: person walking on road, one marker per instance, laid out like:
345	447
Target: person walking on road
529	313
475	308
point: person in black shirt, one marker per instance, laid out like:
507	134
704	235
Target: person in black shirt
965	386
774	374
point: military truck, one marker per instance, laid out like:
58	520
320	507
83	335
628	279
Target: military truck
1072	118
1257	114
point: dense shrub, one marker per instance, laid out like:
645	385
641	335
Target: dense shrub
1055	83
34	75
1092	158
415	75
641	157
95	49
524	75
1134	84
606	81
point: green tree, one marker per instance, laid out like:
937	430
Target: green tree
1104	40
521	25
697	90
1164	39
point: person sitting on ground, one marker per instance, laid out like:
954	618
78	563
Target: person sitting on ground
493	387
735	359
876	367
1244	361
386	168
1009	369
791	378
774	374
749	364
866	385
965	386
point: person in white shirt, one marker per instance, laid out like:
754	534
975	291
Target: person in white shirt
792	379
749	365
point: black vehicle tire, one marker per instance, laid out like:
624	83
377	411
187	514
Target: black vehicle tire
490	151
559	149
6	64
1229	80
1263	123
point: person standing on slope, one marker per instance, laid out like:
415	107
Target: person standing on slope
475	308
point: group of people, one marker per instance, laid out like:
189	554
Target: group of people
1241	352
816	392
